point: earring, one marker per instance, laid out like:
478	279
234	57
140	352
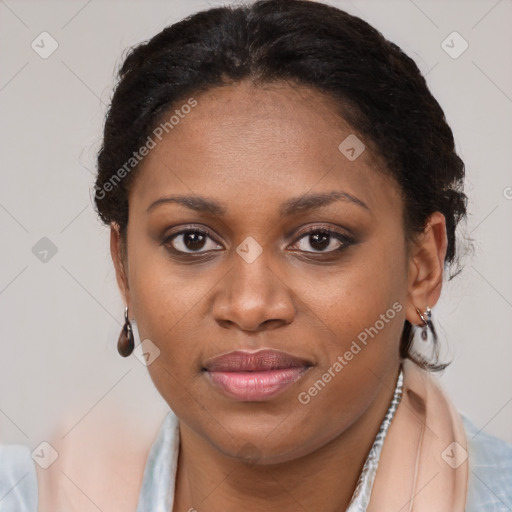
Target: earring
426	318
125	343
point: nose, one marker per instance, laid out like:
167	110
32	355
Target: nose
253	297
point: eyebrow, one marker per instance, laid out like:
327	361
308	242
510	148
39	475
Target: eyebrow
290	207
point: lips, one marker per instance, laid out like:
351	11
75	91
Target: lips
263	360
254	376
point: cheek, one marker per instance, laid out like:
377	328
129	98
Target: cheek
164	295
361	312
166	310
355	295
166	304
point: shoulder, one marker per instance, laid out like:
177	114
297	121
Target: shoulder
18	481
490	471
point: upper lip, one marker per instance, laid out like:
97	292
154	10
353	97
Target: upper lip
263	360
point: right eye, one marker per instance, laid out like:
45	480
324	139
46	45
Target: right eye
190	241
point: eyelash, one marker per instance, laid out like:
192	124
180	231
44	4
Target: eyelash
341	237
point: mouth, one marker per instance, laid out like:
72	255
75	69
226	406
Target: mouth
254	376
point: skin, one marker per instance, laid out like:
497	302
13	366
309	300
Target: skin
251	149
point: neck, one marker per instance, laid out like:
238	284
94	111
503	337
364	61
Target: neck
324	479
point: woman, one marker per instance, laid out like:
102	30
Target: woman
283	195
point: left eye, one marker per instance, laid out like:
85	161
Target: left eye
322	239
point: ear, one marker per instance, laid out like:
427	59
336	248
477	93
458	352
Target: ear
425	269
119	260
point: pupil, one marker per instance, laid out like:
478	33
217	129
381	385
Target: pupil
193	240
319	239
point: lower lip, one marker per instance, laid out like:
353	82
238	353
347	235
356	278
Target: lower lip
255	386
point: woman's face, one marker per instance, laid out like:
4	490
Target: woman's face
253	277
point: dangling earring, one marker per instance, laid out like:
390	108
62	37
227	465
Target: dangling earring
426	318
125	343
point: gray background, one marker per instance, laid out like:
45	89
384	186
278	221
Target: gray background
60	318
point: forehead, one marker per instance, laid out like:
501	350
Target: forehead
247	144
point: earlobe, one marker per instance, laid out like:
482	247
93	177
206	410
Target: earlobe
116	253
426	267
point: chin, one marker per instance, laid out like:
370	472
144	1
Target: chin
255	446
